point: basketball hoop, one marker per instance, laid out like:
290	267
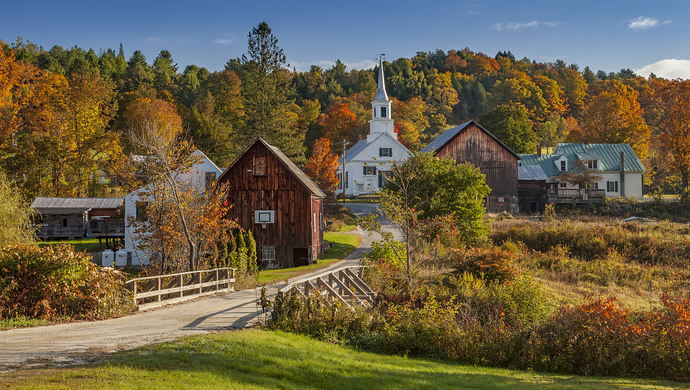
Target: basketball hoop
263	225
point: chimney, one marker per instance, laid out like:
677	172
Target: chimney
359	137
538	150
584	141
622	173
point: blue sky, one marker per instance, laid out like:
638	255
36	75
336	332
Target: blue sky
606	35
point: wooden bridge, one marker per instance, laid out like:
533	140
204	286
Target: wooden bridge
342	284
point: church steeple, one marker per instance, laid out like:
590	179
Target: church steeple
381	121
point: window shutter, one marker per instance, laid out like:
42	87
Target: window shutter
616	185
380	180
374	171
364	170
380	152
608	186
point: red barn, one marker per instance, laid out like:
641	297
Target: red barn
283	207
469	142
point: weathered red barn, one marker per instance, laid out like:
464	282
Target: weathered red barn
271	196
472	143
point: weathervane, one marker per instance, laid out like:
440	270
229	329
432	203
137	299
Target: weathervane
381	55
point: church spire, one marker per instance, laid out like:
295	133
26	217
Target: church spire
381	92
381	121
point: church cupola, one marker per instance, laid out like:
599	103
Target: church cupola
381	121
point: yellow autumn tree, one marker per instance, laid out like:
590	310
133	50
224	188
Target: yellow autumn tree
615	116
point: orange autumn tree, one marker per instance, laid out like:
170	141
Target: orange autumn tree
675	126
339	123
322	167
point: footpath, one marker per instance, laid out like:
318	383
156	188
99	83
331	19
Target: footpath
77	342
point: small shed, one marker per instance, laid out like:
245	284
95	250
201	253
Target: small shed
69	218
532	185
469	142
278	202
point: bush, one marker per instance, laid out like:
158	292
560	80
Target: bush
55	282
493	265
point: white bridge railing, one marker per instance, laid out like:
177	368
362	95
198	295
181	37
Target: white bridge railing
152	291
343	284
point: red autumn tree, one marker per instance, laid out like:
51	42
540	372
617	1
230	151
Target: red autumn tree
339	123
322	166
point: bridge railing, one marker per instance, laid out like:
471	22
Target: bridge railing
152	291
343	284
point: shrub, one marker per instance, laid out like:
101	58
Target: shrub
493	265
55	281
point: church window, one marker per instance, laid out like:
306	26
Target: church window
383	112
374	112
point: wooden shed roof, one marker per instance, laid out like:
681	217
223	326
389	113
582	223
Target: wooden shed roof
73	205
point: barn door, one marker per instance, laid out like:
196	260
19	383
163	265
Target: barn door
300	256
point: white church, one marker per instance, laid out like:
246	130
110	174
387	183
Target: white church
366	163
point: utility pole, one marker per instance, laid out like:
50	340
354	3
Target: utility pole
342	178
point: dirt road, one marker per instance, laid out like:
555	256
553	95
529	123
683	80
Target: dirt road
74	342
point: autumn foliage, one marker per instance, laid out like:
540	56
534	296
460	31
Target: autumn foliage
322	166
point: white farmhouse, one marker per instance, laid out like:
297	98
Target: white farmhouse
201	175
369	159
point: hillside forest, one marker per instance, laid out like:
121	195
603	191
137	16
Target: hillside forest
66	112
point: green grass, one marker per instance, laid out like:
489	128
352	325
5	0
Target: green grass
21	322
81	245
343	245
253	359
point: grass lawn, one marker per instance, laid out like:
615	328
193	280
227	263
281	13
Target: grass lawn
81	245
254	359
343	245
21	322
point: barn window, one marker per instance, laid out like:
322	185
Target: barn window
259	168
64	222
385	152
314	222
369	170
268	252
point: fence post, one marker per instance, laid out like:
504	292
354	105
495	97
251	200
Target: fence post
180	285
158	288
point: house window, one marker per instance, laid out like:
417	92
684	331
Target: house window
259	168
369	170
385	152
140	210
592	164
611	186
562	165
268	252
562	185
210	179
383	112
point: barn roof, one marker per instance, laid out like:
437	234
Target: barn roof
301	176
447	135
73	205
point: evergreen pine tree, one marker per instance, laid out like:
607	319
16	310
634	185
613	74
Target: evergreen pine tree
241	258
252	266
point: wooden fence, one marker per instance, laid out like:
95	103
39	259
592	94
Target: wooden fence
343	284
153	291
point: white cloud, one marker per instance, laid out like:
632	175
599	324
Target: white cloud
224	41
643	23
668	69
514	26
474	10
154	40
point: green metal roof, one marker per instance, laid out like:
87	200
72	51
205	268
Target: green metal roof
607	154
